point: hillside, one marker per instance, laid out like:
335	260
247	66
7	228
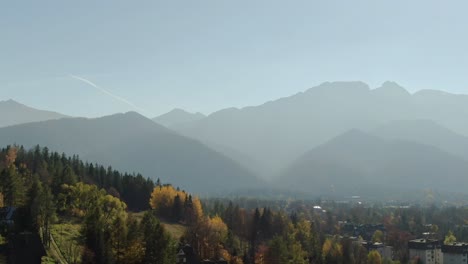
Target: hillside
133	143
357	163
14	113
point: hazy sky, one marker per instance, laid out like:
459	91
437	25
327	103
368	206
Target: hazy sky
203	55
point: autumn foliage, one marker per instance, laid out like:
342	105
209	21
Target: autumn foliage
171	203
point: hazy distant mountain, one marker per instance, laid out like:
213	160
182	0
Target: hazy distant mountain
425	132
134	143
177	117
278	132
13	113
356	163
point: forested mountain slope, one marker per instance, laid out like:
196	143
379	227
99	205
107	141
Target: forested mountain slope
131	142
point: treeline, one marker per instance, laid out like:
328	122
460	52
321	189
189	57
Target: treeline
55	169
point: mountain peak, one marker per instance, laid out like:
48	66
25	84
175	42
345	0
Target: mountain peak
11	102
340	88
132	113
130	116
177	116
345	85
178	110
19	113
390	88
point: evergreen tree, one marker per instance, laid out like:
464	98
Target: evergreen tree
12	186
278	251
159	248
42	209
177	209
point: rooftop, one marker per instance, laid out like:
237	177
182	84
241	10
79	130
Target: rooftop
424	244
457	247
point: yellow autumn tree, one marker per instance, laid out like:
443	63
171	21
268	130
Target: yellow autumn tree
212	234
377	237
197	209
162	197
332	251
374	257
218	228
163	201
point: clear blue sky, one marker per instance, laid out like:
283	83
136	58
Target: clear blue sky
206	55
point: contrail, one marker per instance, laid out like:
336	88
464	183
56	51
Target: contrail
105	91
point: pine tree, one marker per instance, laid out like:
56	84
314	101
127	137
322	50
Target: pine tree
12	186
177	209
159	248
44	208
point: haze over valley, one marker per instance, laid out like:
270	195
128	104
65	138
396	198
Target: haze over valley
335	139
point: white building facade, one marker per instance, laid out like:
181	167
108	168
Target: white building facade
427	250
455	253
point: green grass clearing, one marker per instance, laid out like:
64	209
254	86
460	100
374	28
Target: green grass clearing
68	239
175	230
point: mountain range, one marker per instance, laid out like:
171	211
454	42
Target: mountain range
278	132
134	143
336	138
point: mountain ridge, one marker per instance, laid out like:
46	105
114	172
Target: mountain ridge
356	162
279	131
134	143
177	117
18	113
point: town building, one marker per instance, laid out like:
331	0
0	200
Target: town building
186	255
455	253
427	250
386	252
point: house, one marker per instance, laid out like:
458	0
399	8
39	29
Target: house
366	231
385	251
7	216
427	250
455	253
186	255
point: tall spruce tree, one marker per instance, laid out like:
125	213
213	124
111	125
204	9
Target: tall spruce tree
159	249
